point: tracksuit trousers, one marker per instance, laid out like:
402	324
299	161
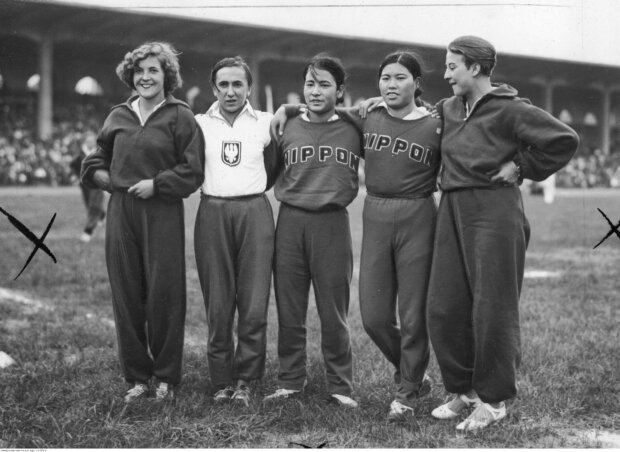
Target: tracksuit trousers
93	200
234	240
476	278
145	256
397	246
313	247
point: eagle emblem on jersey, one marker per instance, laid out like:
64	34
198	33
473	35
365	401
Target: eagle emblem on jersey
231	152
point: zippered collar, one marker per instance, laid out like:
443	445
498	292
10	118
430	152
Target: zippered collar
499	90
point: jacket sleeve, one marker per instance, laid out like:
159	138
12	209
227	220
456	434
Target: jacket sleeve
276	161
270	157
187	175
548	143
102	157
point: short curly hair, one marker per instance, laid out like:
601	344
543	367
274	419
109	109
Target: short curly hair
165	54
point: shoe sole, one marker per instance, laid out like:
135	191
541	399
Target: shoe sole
477	429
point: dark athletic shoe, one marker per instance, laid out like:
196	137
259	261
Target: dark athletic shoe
139	390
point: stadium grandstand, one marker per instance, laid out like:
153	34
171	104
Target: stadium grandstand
57	81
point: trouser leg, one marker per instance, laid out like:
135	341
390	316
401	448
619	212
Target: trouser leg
328	241
378	285
128	285
255	238
413	254
450	303
292	284
214	250
163	235
495	252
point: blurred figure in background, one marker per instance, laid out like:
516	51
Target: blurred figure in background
93	197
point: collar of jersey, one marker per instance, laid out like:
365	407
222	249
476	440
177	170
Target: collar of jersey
305	117
408	117
214	110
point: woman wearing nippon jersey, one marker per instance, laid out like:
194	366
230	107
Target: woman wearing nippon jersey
401	150
149	157
320	153
490	137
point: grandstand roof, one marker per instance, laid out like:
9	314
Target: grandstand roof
126	27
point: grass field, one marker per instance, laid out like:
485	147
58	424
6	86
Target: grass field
65	389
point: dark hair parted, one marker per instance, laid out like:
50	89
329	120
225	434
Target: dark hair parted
165	54
236	61
409	60
475	50
330	64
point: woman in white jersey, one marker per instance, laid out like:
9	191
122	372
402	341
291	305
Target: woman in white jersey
234	233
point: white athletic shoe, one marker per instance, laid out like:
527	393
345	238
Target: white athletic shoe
454	407
242	394
345	401
138	391
399	411
280	394
85	237
483	416
164	392
223	395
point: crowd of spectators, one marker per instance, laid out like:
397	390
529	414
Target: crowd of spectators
26	160
591	168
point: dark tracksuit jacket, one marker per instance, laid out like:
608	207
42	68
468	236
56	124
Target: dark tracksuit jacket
482	235
145	239
402	161
313	244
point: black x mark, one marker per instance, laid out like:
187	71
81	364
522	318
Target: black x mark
613	230
38	242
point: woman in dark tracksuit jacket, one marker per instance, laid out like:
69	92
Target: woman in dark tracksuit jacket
150	155
491	138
